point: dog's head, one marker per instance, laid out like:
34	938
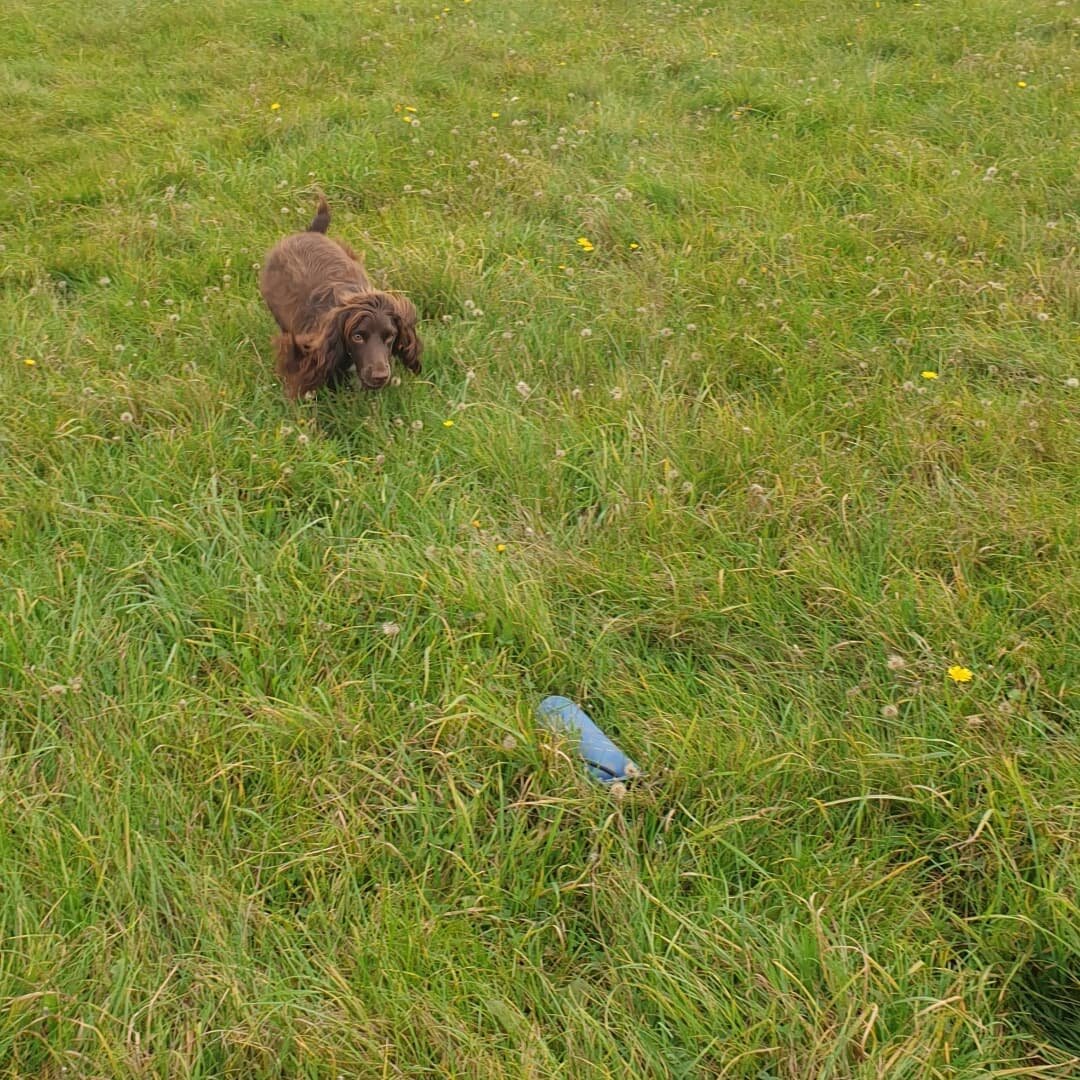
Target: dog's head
362	333
374	328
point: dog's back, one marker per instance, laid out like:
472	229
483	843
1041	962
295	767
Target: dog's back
304	273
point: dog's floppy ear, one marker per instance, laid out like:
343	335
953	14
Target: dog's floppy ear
407	346
306	361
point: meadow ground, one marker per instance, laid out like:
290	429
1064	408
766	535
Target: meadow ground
749	411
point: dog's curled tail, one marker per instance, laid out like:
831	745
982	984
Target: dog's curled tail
321	221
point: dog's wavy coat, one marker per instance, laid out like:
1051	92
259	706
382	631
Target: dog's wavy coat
330	317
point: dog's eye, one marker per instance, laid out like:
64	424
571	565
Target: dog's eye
358	337
389	339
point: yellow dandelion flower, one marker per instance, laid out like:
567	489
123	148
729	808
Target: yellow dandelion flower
407	119
30	362
275	106
500	547
929	374
410	108
585	243
494	116
1022	84
448	423
633	246
960	674
475	523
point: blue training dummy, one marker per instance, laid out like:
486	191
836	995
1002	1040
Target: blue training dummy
606	762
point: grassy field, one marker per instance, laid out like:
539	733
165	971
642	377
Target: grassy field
749	419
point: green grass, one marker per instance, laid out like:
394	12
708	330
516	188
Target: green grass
695	479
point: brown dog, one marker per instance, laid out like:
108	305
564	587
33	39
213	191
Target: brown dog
330	317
